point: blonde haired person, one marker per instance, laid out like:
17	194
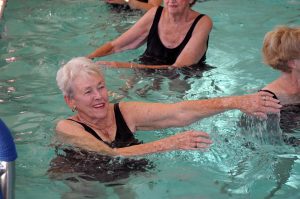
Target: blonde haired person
281	51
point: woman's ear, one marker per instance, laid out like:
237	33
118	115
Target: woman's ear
70	102
291	64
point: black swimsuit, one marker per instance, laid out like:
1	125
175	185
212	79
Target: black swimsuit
289	115
124	136
156	53
82	164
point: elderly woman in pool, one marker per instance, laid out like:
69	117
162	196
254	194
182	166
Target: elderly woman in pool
176	36
108	128
281	51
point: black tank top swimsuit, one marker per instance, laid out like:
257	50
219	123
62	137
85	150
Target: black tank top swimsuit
157	53
124	137
91	166
289	121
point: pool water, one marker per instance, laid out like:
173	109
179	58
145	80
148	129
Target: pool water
37	36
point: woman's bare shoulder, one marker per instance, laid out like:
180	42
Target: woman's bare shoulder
66	126
150	13
275	86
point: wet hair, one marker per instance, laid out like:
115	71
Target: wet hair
280	46
72	69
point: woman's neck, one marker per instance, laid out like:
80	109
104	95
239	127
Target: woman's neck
287	88
98	124
178	18
291	82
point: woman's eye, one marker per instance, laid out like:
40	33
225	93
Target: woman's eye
87	92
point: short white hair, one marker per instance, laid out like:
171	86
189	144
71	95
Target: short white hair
72	69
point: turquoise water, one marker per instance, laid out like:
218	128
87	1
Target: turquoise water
37	36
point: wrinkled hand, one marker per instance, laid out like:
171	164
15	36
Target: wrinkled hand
260	104
115	2
189	140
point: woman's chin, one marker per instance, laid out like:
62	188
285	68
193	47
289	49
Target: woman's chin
100	113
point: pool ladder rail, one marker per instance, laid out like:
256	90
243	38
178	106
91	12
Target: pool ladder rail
2	6
8	155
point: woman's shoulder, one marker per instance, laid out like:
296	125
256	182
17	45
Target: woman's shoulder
283	89
273	87
195	14
205	19
152	12
148	17
67	125
127	108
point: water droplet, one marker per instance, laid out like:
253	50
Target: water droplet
11	81
10	59
11	89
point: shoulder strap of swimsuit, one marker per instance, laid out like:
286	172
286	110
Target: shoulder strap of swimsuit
196	21
158	14
121	124
189	33
88	129
274	96
156	19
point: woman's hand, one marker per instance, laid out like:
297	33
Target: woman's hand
260	104
188	140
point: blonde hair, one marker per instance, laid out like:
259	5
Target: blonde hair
280	46
72	69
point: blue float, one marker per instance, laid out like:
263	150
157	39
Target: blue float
8	155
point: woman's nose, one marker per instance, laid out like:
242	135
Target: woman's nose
97	94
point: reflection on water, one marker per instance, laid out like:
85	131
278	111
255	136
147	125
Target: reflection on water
175	81
38	36
6	89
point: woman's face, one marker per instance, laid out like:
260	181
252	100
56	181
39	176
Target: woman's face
90	97
176	6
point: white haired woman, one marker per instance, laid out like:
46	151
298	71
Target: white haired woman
107	128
